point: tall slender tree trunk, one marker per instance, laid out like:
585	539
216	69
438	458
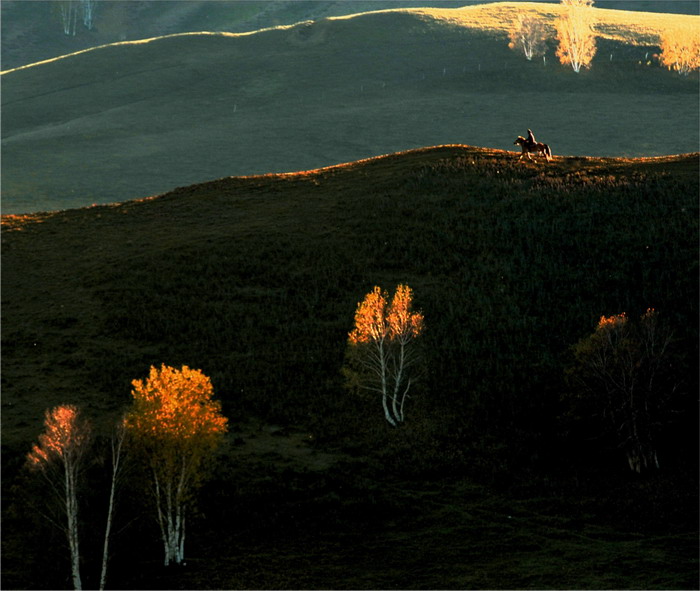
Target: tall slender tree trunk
117	442
172	518
108	527
385	386
72	515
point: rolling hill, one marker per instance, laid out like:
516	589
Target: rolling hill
255	280
34	32
140	118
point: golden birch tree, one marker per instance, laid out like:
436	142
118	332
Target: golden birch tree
680	50
59	456
529	36
577	44
175	426
382	346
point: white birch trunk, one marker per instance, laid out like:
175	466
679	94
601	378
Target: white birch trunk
88	8
108	527
117	441
69	16
384	385
172	520
72	530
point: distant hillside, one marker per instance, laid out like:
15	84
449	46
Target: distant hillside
33	31
141	118
255	280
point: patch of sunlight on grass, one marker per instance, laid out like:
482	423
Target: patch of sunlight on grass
636	28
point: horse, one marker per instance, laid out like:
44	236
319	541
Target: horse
538	148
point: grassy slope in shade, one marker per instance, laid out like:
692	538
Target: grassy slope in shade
138	119
255	281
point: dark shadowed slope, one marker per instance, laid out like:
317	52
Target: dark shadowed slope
57	267
141	118
255	281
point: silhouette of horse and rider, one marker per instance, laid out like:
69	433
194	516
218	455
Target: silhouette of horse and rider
530	145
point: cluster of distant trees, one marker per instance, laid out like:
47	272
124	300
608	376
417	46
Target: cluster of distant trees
71	12
575	35
621	374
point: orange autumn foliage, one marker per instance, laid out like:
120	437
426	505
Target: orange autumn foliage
175	427
376	319
680	50
577	43
59	456
382	349
607	322
175	405
65	435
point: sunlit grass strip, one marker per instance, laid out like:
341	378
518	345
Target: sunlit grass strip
636	28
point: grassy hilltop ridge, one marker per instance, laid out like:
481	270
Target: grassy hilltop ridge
145	117
255	280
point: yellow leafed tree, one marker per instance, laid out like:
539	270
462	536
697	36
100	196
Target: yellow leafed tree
680	50
59	456
382	347
175	426
528	35
577	44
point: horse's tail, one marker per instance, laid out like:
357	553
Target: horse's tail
548	151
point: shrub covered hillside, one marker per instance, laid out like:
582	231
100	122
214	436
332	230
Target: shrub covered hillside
256	280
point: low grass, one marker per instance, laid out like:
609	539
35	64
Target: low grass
633	28
255	280
140	118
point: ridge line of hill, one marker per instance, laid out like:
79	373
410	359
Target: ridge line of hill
142	42
447	14
440	151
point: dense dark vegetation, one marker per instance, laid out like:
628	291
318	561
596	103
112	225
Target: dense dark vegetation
255	281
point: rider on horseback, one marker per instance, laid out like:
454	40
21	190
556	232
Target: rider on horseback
529	145
531	141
